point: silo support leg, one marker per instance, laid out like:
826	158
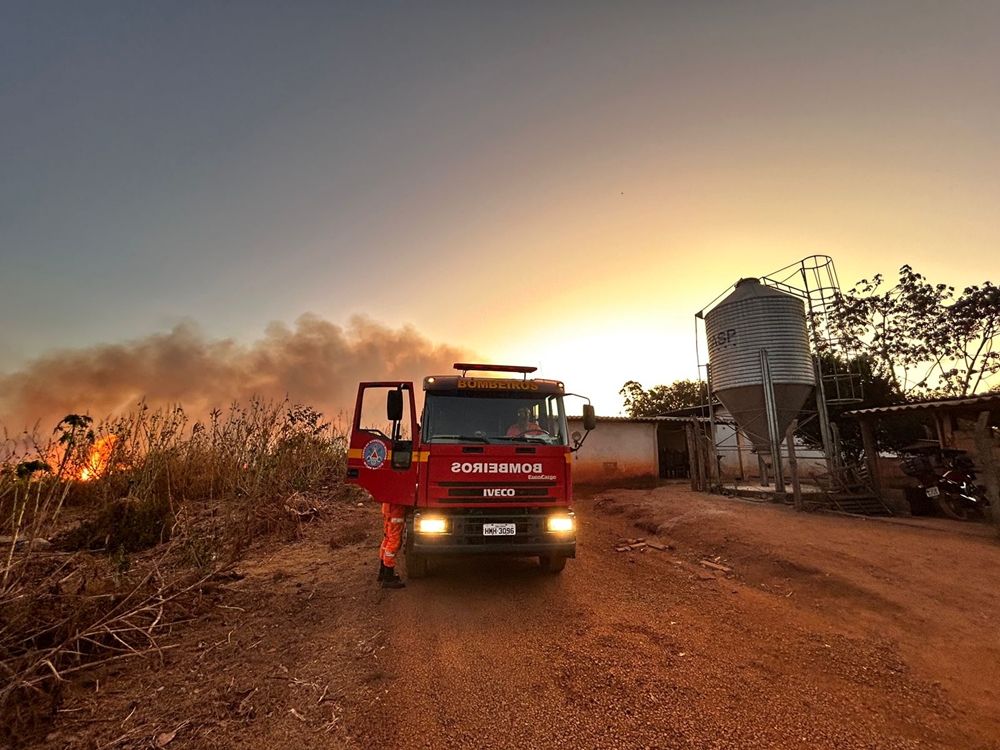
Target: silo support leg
762	465
773	432
793	464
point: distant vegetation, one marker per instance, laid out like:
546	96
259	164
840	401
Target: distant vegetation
681	394
924	339
110	531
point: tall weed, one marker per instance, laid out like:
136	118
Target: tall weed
85	513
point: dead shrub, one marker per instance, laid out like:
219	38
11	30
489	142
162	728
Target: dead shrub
112	589
130	524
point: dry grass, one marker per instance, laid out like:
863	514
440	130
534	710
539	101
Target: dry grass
103	569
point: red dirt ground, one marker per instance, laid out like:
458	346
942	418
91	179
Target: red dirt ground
824	632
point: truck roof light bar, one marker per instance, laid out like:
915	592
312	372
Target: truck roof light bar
467	366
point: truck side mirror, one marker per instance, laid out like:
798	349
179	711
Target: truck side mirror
589	417
394	405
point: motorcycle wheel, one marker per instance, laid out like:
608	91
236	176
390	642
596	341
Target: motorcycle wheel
953	507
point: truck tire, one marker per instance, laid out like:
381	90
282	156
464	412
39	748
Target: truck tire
416	565
552	563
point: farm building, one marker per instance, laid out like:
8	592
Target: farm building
632	450
648	449
970	424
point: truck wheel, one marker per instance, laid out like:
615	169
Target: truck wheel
416	565
552	563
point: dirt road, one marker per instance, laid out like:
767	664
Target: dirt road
806	631
810	642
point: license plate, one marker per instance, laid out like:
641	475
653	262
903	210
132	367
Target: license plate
933	492
499	529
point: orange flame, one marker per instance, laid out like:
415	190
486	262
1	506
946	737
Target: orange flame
99	458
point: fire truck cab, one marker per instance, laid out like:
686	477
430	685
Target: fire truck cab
485	470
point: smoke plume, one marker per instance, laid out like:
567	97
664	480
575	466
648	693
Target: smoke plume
314	362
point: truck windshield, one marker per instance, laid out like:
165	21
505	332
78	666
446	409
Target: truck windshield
465	417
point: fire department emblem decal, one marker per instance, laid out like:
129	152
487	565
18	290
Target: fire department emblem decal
374	454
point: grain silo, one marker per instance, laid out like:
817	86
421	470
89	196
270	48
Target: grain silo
761	367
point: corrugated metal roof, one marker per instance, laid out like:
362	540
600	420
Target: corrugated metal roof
969	403
640	420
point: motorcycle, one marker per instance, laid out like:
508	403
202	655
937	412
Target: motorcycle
951	484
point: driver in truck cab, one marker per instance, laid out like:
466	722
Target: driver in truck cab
526	424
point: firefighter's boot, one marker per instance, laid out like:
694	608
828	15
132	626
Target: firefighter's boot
392	581
382	570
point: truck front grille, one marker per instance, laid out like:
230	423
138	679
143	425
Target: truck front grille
494	492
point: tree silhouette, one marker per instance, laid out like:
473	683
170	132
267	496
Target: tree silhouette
921	337
660	399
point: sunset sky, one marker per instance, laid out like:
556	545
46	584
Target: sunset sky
558	184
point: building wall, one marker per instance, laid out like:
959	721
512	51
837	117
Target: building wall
616	452
962	436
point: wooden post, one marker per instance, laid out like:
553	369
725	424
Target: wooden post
871	454
947	427
656	451
793	464
699	452
692	455
987	462
939	428
712	454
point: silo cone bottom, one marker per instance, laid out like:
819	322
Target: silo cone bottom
746	405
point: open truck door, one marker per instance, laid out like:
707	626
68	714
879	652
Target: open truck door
384	435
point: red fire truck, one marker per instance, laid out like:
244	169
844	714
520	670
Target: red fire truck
486	469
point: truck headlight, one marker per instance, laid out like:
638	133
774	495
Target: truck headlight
561	523
432	525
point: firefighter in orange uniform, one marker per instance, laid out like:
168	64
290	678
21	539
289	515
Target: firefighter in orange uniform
393	518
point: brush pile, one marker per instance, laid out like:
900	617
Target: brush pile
113	534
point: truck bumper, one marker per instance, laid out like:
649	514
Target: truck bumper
465	534
432	549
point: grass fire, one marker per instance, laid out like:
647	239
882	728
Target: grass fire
111	531
98	458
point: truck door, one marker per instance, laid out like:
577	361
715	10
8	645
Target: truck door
384	434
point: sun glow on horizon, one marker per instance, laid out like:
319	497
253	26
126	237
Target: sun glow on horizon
595	358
